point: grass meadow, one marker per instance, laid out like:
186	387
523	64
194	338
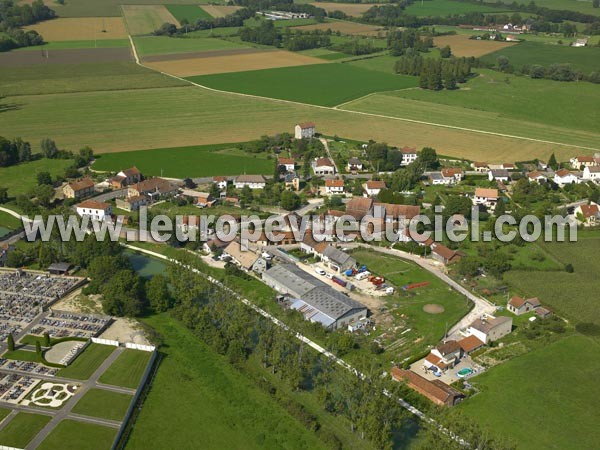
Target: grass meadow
161	45
144	19
21	178
210	402
447	7
87	362
194	161
127	369
323	84
22	428
584	6
76	435
552	389
191	13
585	59
103	404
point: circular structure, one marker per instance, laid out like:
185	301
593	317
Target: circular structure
433	308
52	394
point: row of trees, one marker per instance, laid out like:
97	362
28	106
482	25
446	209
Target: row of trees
267	34
13	16
556	72
434	73
399	41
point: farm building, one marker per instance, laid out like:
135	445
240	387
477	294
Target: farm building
337	260
317	301
79	189
305	130
518	305
435	390
359	207
152	188
489	328
245	259
443	254
252	181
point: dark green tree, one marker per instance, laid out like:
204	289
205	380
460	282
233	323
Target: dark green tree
10	342
158	294
47	339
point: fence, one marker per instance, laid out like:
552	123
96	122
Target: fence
105	342
4	447
144	348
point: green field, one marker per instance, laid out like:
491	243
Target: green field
321	84
127	369
571	294
256	21
103	404
196	161
61	45
8	222
383	63
158	45
191	13
75	435
68	78
584	6
209	401
107	8
568	115
585	59
444	8
4	412
552	389
22	428
87	362
21	178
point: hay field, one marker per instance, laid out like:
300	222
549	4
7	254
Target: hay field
350	9
220	10
115	121
80	29
267	59
461	45
144	19
342	27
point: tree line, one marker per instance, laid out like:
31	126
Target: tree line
556	71
435	74
13	16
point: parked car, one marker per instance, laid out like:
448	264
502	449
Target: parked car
319	271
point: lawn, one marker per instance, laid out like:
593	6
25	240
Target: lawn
103	404
157	45
191	13
556	111
64	78
322	84
586	59
443	8
4	412
61	45
22	428
127	369
195	161
209	401
75	435
8	222
87	362
571	294
21	178
552	389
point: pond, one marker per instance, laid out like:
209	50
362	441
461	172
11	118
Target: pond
145	266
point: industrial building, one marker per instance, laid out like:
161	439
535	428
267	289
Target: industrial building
316	300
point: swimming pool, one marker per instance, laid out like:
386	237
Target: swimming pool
464	372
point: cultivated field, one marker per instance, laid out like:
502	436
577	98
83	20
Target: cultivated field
84	28
343	27
326	85
542	388
488	104
144	19
191	13
220	10
233	63
65	45
162	45
586	59
64	56
196	161
350	9
444	8
461	45
115	121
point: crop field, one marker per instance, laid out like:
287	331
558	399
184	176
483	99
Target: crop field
196	161
542	388
63	45
116	121
83	28
343	27
461	45
350	9
103	404
191	13
22	429
447	7
127	369
586	59
567	116
19	179
76	435
65	78
570	294
235	414
144	19
326	85
236	62
220	10
161	45
87	362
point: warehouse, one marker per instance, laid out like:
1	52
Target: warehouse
316	300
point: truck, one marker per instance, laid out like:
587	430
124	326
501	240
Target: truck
339	281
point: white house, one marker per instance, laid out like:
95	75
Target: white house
586	161
221	182
304	130
487	197
373	187
519	305
354	164
288	163
436	178
536	176
500	175
456	174
580	43
409	155
323	166
563	177
589	214
489	328
444	356
480	166
95	210
592	174
252	181
334	187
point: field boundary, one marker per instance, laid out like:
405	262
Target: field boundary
382	116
